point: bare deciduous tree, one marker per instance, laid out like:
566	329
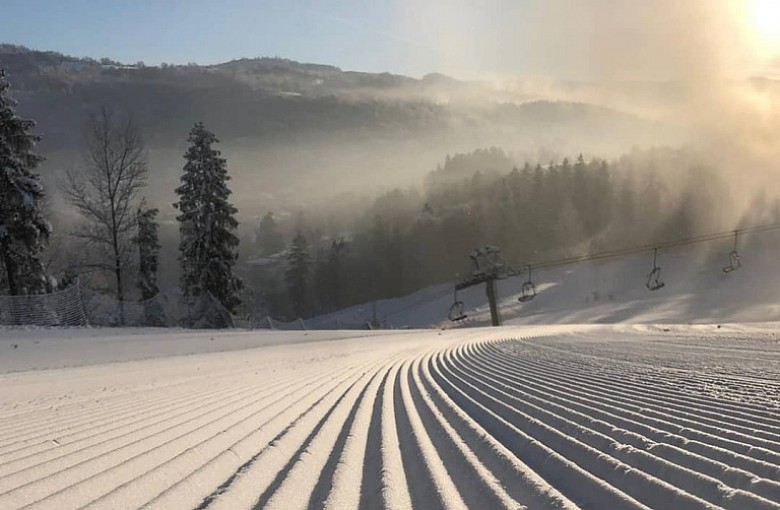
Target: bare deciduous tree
105	190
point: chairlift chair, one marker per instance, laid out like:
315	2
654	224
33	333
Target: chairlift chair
528	290
456	309
734	260
654	276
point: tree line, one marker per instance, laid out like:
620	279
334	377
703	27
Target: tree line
118	230
409	239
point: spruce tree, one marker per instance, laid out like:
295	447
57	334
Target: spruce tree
320	280
336	257
208	248
297	274
148	243
269	239
24	231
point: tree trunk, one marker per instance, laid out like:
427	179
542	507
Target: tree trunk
119	294
10	273
12	287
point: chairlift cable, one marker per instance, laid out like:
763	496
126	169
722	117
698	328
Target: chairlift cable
623	252
661	246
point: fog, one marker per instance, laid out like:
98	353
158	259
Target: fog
695	74
676	101
703	69
681	74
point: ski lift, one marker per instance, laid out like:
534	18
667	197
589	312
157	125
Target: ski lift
654	277
456	309
734	260
528	290
487	261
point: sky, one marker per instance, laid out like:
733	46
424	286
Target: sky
560	39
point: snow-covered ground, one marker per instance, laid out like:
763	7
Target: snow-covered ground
610	291
546	417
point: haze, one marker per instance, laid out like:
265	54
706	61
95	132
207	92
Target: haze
366	100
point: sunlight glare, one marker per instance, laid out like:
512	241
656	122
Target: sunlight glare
764	19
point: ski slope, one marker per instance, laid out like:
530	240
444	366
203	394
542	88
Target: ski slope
539	417
608	291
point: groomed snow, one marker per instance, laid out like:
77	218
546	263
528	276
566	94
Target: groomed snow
538	417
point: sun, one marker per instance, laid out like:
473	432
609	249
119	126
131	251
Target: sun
764	20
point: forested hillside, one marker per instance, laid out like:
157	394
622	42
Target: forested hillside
408	239
289	127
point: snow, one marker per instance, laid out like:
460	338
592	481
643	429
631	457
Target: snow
636	400
611	291
541	417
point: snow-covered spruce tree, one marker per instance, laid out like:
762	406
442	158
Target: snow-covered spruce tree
148	244
297	274
208	249
24	231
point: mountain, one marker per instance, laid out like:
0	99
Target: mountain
288	128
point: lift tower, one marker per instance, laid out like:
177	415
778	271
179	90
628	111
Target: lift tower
488	267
